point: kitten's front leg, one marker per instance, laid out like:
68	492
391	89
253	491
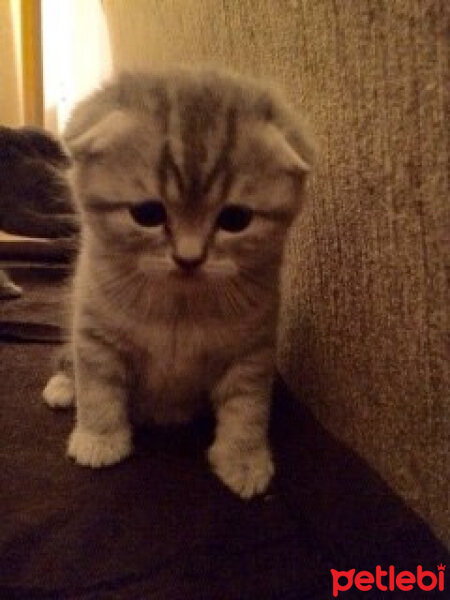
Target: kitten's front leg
240	455
102	434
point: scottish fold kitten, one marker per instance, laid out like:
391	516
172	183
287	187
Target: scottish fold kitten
187	182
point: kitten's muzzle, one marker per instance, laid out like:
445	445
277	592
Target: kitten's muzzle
188	264
189	251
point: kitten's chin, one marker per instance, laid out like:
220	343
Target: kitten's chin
221	269
208	272
188	276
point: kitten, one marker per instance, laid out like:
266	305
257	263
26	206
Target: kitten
187	183
34	195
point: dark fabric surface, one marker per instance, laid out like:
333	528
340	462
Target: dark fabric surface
161	526
45	300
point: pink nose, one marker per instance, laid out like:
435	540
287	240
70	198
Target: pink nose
188	263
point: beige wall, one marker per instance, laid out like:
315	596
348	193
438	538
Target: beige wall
365	298
10	105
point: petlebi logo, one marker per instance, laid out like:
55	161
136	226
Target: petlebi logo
388	580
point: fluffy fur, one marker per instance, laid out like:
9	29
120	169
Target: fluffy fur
34	196
175	308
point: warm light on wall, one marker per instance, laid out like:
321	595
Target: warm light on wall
54	52
76	55
31	46
20	64
16	19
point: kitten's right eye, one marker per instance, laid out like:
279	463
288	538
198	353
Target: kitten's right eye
234	218
150	213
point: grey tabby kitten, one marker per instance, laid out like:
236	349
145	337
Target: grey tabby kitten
187	182
34	196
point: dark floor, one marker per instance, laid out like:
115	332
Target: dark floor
160	526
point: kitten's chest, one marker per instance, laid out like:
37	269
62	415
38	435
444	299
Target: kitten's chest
175	356
175	372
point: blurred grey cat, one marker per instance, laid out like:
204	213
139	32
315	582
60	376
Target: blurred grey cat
34	195
187	182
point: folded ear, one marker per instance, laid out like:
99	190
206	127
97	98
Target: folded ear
289	133
104	134
287	157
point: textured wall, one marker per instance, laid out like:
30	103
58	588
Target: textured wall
365	311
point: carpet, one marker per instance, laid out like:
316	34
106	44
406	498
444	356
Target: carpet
160	525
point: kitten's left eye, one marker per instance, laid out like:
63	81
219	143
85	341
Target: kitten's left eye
150	213
234	218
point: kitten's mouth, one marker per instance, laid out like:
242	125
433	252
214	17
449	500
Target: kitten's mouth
188	274
202	271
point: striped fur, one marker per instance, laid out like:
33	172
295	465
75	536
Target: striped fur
151	341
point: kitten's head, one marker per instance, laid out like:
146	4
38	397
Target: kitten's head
188	178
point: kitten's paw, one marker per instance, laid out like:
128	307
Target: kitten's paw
9	290
247	474
59	391
99	450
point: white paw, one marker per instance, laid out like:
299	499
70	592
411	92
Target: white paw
8	289
59	391
247	474
99	450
